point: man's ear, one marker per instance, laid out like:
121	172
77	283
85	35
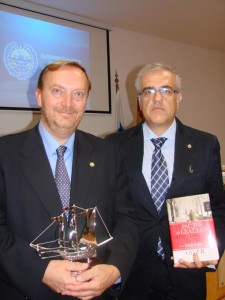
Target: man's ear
179	99
38	97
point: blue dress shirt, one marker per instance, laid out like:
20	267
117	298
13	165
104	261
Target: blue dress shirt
51	145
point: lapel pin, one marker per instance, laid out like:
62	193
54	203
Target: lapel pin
92	164
189	146
190	170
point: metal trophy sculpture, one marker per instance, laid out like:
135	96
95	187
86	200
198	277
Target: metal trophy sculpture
75	236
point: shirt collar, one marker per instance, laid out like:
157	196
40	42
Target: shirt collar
169	133
50	142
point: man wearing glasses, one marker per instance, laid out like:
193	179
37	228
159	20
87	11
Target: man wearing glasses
189	165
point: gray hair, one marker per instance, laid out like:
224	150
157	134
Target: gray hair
156	67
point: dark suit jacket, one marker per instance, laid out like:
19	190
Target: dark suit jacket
29	198
204	159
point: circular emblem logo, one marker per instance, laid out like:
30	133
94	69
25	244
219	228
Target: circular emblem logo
20	60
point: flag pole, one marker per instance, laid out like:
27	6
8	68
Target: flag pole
118	107
117	82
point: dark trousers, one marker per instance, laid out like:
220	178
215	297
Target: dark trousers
160	286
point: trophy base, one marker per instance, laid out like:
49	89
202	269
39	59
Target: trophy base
92	261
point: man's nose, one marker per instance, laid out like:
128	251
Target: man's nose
157	96
67	99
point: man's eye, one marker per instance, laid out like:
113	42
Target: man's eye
166	91
78	94
149	92
57	92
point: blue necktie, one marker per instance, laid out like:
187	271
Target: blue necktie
62	178
159	181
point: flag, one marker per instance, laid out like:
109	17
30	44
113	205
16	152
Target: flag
119	113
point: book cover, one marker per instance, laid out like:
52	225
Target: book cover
192	228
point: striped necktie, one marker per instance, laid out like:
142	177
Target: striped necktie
61	177
159	181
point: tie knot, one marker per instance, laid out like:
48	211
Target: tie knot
61	150
158	142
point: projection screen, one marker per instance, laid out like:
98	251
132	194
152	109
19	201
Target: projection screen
30	40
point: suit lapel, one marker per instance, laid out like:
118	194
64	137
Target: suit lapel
183	155
83	170
135	151
36	168
182	160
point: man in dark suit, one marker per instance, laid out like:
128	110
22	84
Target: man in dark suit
193	166
29	197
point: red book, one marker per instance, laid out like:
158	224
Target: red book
192	228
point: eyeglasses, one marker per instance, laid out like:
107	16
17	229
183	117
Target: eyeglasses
165	91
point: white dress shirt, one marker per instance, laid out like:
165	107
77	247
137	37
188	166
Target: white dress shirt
167	149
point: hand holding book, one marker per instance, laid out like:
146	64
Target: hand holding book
197	263
192	231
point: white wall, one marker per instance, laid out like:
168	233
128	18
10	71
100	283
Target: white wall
203	77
